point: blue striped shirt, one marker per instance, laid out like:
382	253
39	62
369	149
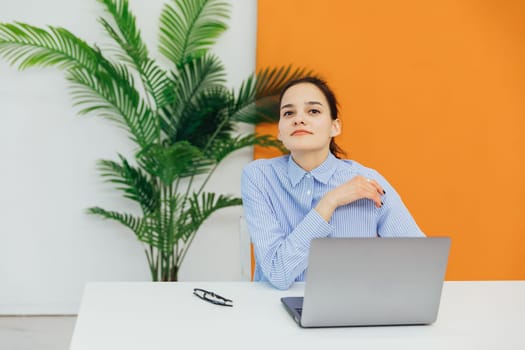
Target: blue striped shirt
279	198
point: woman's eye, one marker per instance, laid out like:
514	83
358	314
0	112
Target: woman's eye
287	113
315	111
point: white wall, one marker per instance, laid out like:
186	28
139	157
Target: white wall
49	247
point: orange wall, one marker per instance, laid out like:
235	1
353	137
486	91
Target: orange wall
432	95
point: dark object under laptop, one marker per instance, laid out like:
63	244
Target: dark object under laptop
371	282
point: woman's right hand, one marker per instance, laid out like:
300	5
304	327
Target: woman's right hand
358	188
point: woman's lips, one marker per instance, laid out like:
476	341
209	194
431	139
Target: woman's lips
301	132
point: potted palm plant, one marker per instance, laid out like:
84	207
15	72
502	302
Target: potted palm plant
183	119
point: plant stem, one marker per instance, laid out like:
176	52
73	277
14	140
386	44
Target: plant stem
207	178
185	248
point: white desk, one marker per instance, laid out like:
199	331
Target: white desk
127	316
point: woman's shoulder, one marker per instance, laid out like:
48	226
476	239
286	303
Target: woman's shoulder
266	164
360	169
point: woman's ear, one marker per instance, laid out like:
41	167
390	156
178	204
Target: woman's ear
336	128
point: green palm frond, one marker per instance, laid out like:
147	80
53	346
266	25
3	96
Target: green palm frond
160	229
158	84
175	161
270	81
189	28
205	204
134	51
185	227
172	206
145	229
196	78
130	221
133	182
204	119
151	233
258	97
110	93
27	46
127	35
225	146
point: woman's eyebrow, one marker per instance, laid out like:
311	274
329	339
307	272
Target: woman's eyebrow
287	106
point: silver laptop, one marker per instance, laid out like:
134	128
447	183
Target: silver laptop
371	282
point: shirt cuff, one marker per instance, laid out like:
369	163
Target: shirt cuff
312	226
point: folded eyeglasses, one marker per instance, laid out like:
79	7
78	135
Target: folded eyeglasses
212	297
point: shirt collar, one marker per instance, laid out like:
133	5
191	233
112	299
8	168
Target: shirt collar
322	173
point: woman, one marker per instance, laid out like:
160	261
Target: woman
311	193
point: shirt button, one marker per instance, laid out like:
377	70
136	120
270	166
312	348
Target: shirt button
308	175
308	192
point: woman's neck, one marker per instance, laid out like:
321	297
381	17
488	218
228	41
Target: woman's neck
310	160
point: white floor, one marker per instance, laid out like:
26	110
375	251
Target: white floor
36	332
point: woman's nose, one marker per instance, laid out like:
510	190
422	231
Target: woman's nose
299	119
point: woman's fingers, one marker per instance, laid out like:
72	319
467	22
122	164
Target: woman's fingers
374	192
376	185
357	188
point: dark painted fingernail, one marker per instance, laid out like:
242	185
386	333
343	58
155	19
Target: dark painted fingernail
384	192
381	203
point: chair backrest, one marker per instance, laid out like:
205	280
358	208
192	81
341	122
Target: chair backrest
245	251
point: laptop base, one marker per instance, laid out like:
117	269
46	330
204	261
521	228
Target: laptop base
294	306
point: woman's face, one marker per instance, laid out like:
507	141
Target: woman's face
305	123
